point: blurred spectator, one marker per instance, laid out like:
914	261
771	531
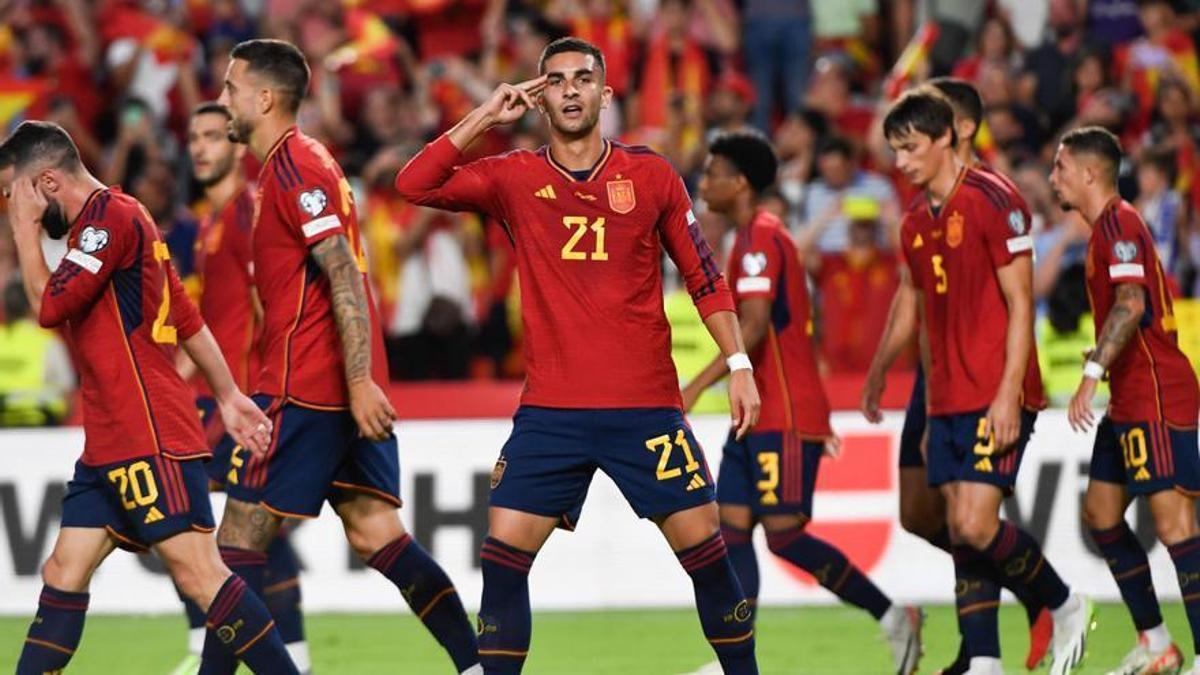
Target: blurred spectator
777	38
1165	51
692	348
1046	84
1112	22
35	369
1089	77
155	187
1064	334
995	45
831	94
1175	127
841	188
1059	237
796	144
1163	209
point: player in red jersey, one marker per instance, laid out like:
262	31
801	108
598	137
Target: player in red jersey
966	248
589	220
1146	443
323	362
923	508
230	309
768	476
140	483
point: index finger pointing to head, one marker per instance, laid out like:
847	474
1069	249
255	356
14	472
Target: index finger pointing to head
535	83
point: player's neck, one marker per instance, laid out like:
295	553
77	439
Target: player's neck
220	193
1094	204
75	195
267	134
742	212
943	183
577	154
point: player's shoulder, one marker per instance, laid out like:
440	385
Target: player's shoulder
915	211
1121	220
112	207
642	158
304	158
987	188
767	226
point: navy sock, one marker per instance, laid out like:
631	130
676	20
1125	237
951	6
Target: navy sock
54	633
239	622
830	567
431	595
505	621
1019	559
1131	569
724	611
1186	555
745	563
250	567
281	590
977	597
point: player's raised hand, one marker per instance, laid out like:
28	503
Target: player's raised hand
744	403
872	393
25	208
509	102
1004	421
1079	411
372	410
246	423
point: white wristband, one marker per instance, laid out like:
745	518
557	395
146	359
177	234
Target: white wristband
739	361
1093	370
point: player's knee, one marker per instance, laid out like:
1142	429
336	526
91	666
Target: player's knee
974	528
1098	516
915	521
61	574
367	535
1177	528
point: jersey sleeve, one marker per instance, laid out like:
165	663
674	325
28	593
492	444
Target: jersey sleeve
184	314
756	273
99	249
1124	251
316	204
686	245
431	178
1006	231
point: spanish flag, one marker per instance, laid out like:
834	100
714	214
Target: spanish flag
905	68
21	100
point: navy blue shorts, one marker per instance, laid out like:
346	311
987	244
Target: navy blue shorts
547	464
1146	457
770	471
140	501
959	450
914	425
315	455
222	444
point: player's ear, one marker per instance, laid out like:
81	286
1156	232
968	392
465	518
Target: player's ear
265	101
48	180
606	95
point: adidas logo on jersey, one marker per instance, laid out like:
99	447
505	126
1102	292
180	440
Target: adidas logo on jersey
153	515
546	193
696	483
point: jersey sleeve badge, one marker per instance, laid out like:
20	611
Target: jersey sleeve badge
313	202
92	239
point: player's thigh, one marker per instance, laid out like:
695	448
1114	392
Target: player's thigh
370	521
520	529
77	552
545	467
654	459
195	565
247	525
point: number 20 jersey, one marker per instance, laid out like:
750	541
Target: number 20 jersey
953	256
589	254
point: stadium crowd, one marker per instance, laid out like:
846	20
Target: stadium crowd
122	76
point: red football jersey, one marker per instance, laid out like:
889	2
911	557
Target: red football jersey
304	198
125	311
764	264
856	291
1151	380
224	270
953	257
589	256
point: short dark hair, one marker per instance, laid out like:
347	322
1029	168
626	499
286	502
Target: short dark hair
211	108
922	111
751	154
835	145
570	44
963	96
1163	160
35	140
1097	142
281	62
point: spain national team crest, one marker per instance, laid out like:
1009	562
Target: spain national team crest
954	230
620	196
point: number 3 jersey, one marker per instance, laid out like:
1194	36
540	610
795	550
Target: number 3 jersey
1151	379
304	199
125	311
589	253
953	256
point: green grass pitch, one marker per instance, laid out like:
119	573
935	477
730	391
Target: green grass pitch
653	642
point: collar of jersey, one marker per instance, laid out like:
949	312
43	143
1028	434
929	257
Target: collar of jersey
596	169
279	144
946	202
88	202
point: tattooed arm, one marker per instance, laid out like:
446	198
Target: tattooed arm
1118	328
368	403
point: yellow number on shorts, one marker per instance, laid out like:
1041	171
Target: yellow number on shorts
985	445
943	282
160	331
1133	446
135	483
664	444
235	462
580	225
769	461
